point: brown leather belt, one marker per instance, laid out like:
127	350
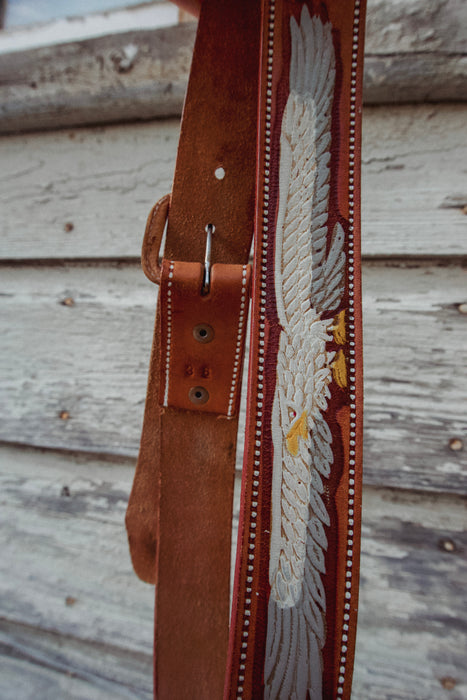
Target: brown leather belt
270	146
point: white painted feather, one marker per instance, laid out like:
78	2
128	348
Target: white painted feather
309	280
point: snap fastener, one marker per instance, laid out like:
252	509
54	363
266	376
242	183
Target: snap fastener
198	395
203	333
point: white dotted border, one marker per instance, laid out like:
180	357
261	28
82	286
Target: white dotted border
238	348
169	332
260	373
352	361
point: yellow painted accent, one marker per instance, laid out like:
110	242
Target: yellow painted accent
298	429
339	328
339	370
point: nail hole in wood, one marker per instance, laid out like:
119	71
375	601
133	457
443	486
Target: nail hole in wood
447	544
456	444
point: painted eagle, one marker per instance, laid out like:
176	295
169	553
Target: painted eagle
309	284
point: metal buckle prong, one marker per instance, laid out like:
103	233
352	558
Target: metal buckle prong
210	228
153	240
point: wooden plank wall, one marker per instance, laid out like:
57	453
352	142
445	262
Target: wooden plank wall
77	316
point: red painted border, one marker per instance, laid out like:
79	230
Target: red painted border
249	619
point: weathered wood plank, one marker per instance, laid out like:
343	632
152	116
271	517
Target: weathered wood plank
22	680
414	26
414	53
90	190
415	378
408	664
412	619
40	665
413	78
86	193
413	613
414	193
73	370
65	566
120	77
150	15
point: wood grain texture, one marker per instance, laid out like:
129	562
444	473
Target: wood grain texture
39	665
56	547
413	53
86	193
75	27
73	370
70	571
414	394
413	26
414	190
412	611
121	77
90	190
23	679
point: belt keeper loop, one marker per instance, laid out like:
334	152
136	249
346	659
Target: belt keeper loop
203	335
153	235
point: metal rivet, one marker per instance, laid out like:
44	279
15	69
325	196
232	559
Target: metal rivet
219	173
198	395
203	333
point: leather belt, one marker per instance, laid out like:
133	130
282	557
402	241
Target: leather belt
270	145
